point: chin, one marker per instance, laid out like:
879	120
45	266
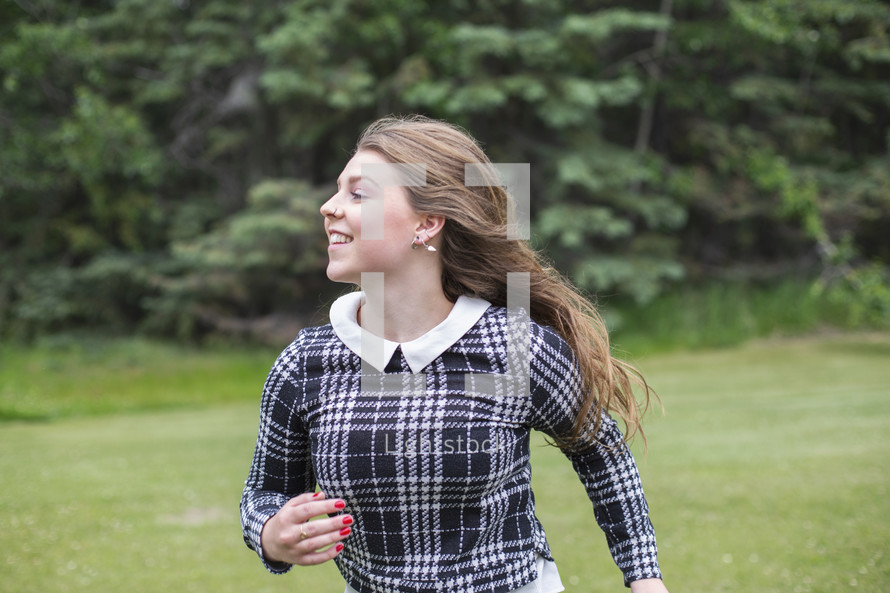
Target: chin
335	276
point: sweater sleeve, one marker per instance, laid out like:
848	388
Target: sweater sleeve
282	466
606	468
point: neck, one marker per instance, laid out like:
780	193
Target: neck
401	313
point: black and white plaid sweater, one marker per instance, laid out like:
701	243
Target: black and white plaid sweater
430	451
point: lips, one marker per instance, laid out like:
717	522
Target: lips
336	238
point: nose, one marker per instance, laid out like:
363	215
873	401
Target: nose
328	208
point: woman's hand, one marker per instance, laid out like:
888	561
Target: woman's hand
648	586
289	536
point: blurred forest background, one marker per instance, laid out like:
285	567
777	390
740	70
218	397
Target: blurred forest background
163	161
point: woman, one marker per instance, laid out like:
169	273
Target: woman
412	409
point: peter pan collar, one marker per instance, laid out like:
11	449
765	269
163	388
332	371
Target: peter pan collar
419	352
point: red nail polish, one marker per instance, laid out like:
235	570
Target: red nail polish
345	531
316	495
340	547
340	504
347	520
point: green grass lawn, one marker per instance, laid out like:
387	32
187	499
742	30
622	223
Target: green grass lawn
67	377
768	472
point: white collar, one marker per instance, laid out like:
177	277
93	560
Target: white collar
419	352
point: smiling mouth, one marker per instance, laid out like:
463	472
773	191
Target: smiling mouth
339	238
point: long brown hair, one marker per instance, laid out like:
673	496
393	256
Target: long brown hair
477	255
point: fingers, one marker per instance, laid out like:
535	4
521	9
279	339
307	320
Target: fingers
321	556
303	533
304	498
323	539
307	506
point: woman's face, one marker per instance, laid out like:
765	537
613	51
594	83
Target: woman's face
366	196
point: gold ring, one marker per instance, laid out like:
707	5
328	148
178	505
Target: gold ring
303	534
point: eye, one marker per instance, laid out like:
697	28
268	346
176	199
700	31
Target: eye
357	195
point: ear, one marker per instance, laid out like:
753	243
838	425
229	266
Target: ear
430	225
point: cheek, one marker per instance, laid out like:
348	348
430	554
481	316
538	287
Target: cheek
383	251
400	227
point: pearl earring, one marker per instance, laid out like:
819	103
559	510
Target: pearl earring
414	244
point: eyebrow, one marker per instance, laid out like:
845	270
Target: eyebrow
353	178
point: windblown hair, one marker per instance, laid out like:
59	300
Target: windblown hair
477	255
